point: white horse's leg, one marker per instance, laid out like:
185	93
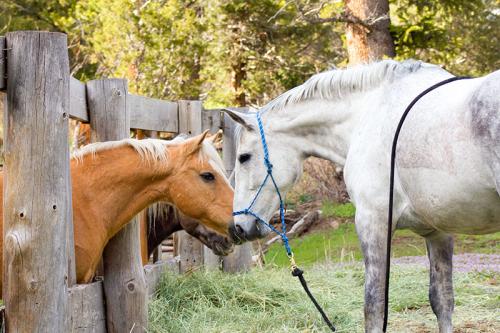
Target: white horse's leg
372	236
440	252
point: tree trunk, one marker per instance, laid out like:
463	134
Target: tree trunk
239	74
369	44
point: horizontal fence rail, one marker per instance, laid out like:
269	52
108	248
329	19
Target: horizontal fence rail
145	113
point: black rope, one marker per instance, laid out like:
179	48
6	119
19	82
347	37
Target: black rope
300	274
391	187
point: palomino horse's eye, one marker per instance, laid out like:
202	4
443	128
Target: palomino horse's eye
208	176
244	157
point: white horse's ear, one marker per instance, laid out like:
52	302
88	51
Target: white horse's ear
239	117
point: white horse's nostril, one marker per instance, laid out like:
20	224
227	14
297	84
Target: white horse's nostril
239	230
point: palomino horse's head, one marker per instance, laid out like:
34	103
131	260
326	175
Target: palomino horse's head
250	172
198	185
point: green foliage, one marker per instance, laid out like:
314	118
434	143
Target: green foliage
230	52
332	209
264	54
460	35
270	300
305	197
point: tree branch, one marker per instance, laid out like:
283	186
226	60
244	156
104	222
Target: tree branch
311	16
33	14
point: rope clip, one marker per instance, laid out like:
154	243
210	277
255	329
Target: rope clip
293	265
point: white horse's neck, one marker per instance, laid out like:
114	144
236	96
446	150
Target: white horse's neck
320	128
321	116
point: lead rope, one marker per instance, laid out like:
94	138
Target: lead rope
297	272
391	187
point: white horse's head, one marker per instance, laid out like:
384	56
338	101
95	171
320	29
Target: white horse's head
251	171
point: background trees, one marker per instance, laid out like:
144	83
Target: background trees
236	52
245	52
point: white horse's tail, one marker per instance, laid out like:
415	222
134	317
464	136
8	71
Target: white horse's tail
485	111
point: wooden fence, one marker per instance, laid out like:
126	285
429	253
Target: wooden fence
39	284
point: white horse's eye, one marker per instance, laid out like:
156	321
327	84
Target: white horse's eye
244	157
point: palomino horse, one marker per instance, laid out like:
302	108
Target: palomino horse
113	181
164	219
447	169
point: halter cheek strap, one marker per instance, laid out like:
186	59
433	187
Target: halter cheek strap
297	272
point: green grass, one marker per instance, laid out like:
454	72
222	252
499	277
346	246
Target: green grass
341	245
332	209
270	300
304	198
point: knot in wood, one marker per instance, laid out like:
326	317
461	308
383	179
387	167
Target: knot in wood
117	92
131	286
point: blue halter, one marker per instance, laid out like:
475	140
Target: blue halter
248	210
297	272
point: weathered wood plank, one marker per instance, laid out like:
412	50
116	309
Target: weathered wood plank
211	261
189	248
152	114
211	120
124	283
190	117
241	259
3	63
107	105
155	272
87	313
78	98
37	201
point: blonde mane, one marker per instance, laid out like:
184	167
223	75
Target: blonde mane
336	83
152	150
148	149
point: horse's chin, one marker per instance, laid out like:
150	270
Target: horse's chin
222	249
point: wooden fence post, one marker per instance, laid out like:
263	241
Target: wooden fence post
37	200
3	63
241	259
124	282
189	249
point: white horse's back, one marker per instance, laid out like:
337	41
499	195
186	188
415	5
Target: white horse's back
448	157
485	111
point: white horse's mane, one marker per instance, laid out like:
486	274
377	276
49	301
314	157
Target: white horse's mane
152	150
336	83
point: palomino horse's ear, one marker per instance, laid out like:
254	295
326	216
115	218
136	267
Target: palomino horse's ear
196	143
239	117
214	139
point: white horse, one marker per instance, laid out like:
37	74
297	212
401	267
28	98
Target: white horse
447	169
